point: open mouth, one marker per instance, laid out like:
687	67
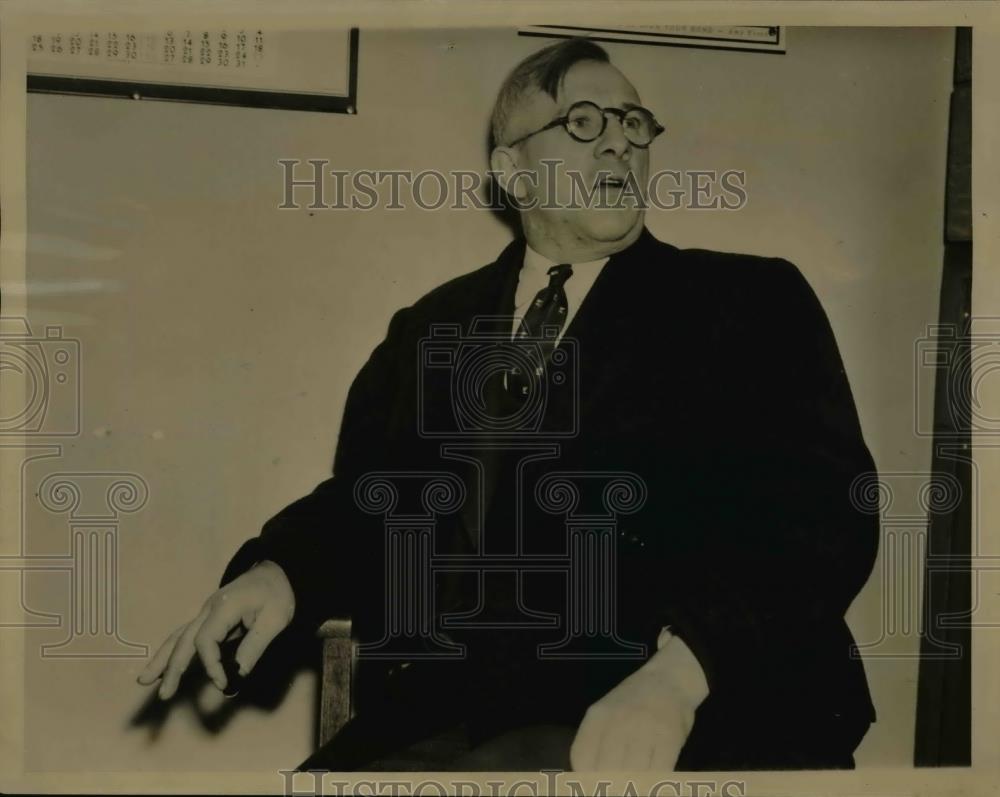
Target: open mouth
611	182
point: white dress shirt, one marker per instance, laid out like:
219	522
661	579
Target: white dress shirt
534	276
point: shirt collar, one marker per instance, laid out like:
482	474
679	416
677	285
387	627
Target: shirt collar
535	263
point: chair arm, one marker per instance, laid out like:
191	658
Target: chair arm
340	657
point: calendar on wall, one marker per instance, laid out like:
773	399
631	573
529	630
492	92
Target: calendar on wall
307	70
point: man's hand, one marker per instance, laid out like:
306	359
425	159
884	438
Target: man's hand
643	722
262	599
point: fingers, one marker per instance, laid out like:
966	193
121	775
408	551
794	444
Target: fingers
586	746
637	756
214	630
615	746
202	636
266	626
607	741
181	656
261	600
664	755
154	668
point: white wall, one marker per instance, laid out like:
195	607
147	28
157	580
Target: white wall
220	334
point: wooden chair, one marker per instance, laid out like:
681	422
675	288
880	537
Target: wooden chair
340	659
337	704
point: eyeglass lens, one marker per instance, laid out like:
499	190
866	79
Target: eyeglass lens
586	121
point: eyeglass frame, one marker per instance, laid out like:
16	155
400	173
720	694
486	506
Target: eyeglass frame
563	121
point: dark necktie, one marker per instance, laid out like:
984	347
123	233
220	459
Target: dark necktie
542	323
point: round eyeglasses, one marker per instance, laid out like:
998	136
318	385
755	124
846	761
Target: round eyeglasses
586	121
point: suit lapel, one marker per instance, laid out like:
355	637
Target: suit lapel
494	295
611	324
490	310
605	330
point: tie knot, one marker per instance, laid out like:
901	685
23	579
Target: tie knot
559	274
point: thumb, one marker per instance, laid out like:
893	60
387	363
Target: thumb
266	626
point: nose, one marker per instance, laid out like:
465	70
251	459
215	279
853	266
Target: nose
612	141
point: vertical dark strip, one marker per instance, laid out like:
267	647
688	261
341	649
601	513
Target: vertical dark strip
352	72
944	690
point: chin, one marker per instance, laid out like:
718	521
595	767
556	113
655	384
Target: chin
613	225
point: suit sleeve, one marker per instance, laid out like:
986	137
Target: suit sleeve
317	539
780	545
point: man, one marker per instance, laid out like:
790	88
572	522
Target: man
713	379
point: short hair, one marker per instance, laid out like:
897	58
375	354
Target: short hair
543	71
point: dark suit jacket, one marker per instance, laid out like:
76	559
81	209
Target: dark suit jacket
716	379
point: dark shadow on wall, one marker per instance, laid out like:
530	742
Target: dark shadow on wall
292	652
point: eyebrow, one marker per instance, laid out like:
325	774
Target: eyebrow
628	106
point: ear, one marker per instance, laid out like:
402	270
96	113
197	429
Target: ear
503	165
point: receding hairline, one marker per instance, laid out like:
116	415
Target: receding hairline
542	71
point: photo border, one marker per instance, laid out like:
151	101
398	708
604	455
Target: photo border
19	17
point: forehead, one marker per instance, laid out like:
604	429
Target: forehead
597	81
586	80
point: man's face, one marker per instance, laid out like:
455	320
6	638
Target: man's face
580	164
